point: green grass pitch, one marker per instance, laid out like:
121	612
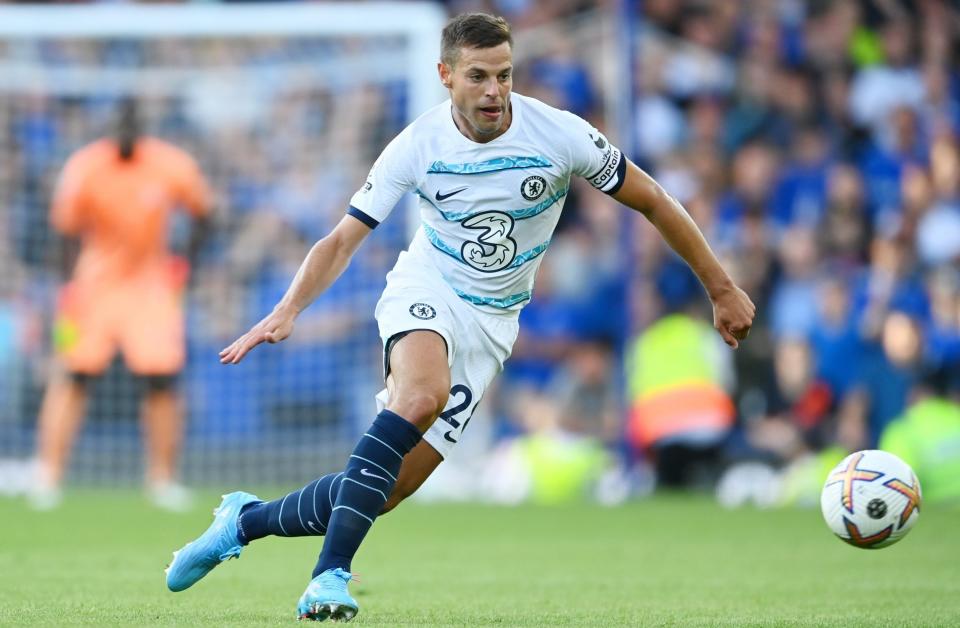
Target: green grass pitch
669	561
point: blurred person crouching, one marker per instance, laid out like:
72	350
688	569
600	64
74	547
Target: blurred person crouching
564	453
927	436
678	376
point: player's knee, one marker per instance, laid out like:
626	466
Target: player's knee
421	406
160	383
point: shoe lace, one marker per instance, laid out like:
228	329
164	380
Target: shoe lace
339	578
231	553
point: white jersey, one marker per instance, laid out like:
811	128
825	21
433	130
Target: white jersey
488	210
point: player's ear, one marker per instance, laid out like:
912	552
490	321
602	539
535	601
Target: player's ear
445	72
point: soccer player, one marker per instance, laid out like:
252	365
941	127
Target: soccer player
116	195
491	170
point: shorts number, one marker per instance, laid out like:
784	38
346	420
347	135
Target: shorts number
449	414
493	249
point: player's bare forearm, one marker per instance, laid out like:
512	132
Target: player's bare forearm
642	193
733	310
325	262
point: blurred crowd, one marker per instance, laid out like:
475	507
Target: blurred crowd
815	143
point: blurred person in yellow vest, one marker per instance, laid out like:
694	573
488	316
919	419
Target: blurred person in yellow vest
680	411
562	467
927	437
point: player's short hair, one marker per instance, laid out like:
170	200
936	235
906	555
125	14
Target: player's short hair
473	30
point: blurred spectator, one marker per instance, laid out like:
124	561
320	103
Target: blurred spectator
888	372
794	408
752	117
548	333
695	67
793	303
680	411
889	283
938	228
879	90
942	350
845	233
927	437
801	192
659	122
564	74
883	164
834	338
586	392
752	179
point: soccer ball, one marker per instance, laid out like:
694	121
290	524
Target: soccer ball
871	499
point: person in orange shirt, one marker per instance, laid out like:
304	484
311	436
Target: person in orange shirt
116	196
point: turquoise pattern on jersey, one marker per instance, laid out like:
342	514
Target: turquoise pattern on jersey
443	247
516	214
490	165
530	212
440	245
502	304
526	256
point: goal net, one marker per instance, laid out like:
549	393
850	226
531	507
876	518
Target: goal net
284	107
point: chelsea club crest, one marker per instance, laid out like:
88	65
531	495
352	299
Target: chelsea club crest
423	311
533	187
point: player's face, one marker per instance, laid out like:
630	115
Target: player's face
480	82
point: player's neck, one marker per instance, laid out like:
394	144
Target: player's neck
481	138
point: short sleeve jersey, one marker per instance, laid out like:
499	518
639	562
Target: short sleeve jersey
488	211
120	209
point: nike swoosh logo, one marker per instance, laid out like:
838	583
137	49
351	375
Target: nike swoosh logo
314	528
443	197
364	471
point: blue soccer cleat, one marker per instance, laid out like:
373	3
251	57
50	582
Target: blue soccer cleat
219	543
326	597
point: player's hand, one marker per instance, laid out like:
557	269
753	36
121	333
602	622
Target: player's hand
733	313
273	328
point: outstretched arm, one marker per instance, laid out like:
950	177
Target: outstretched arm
733	311
324	263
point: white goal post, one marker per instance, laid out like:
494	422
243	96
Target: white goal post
419	22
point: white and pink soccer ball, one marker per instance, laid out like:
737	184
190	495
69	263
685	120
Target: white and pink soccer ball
871	499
